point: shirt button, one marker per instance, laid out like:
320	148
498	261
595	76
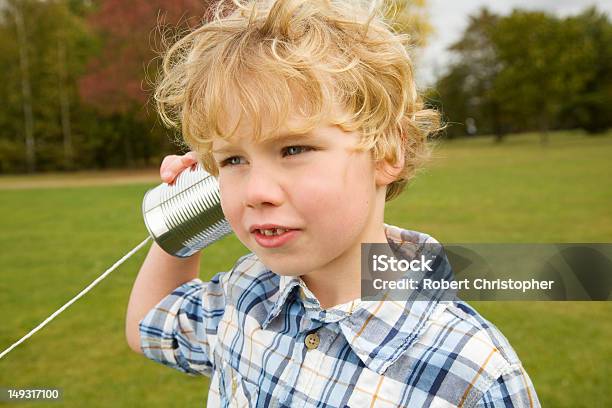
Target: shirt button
312	341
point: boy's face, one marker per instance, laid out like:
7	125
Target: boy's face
312	183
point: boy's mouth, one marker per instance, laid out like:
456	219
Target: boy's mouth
272	236
272	232
270	229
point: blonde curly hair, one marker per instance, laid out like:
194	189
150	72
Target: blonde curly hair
266	57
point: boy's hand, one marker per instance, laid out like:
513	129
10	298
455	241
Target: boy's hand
174	164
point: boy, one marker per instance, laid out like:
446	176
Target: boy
307	113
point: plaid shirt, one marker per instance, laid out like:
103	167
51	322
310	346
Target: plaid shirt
266	342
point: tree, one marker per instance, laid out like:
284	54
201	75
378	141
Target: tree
41	83
14	9
467	89
538	68
116	82
591	106
531	71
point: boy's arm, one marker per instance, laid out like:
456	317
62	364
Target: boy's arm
159	275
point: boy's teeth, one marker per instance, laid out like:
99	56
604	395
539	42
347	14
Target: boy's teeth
275	231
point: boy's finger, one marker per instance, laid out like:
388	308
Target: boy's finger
170	168
190	160
172	165
165	165
190	157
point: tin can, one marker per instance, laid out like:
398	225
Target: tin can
186	216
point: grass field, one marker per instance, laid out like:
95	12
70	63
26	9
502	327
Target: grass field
55	240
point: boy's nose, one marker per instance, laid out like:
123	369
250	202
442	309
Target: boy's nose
262	187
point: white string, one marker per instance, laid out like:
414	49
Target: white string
77	297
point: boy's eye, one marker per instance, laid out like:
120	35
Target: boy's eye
230	161
292	150
286	151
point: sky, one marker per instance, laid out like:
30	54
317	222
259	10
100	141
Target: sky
450	18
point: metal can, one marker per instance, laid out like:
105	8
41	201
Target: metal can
185	216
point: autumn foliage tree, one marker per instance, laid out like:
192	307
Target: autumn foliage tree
117	83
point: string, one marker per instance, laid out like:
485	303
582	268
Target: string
77	297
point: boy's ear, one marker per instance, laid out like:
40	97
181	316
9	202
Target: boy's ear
387	173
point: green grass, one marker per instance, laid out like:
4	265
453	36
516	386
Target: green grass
55	241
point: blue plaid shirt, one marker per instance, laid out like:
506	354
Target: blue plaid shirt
266	342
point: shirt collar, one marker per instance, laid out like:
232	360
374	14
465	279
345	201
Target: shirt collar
377	331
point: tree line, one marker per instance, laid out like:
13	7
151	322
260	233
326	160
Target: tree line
78	75
528	71
76	81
